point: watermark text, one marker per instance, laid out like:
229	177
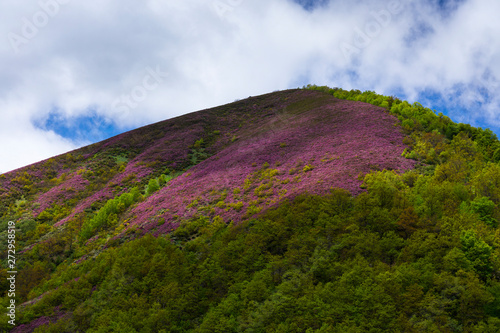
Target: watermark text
140	92
11	264
372	29
30	27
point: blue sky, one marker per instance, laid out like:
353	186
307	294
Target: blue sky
88	127
75	72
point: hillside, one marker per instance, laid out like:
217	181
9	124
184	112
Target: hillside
229	161
317	210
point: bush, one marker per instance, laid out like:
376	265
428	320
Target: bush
153	186
307	168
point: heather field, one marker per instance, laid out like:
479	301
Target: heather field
305	210
305	149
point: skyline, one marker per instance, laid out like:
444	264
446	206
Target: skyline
77	73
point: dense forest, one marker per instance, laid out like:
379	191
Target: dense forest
413	250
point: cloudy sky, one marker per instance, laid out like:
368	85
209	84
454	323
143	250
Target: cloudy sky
75	72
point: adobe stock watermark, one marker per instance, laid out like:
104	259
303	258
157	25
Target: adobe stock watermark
31	26
372	29
140	92
11	273
222	7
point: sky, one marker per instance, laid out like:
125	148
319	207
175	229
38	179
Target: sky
77	72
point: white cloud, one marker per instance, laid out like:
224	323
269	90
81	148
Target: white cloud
21	142
88	55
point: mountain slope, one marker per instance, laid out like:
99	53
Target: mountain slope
296	211
306	141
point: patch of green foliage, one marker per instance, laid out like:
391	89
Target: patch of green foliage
107	216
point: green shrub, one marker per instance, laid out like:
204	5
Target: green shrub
107	216
153	186
307	168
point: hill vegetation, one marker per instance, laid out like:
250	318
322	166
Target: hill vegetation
312	210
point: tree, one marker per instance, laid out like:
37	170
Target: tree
478	253
484	207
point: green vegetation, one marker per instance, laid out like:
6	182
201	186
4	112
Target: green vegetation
107	216
387	260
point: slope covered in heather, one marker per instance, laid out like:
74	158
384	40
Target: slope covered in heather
318	210
231	162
